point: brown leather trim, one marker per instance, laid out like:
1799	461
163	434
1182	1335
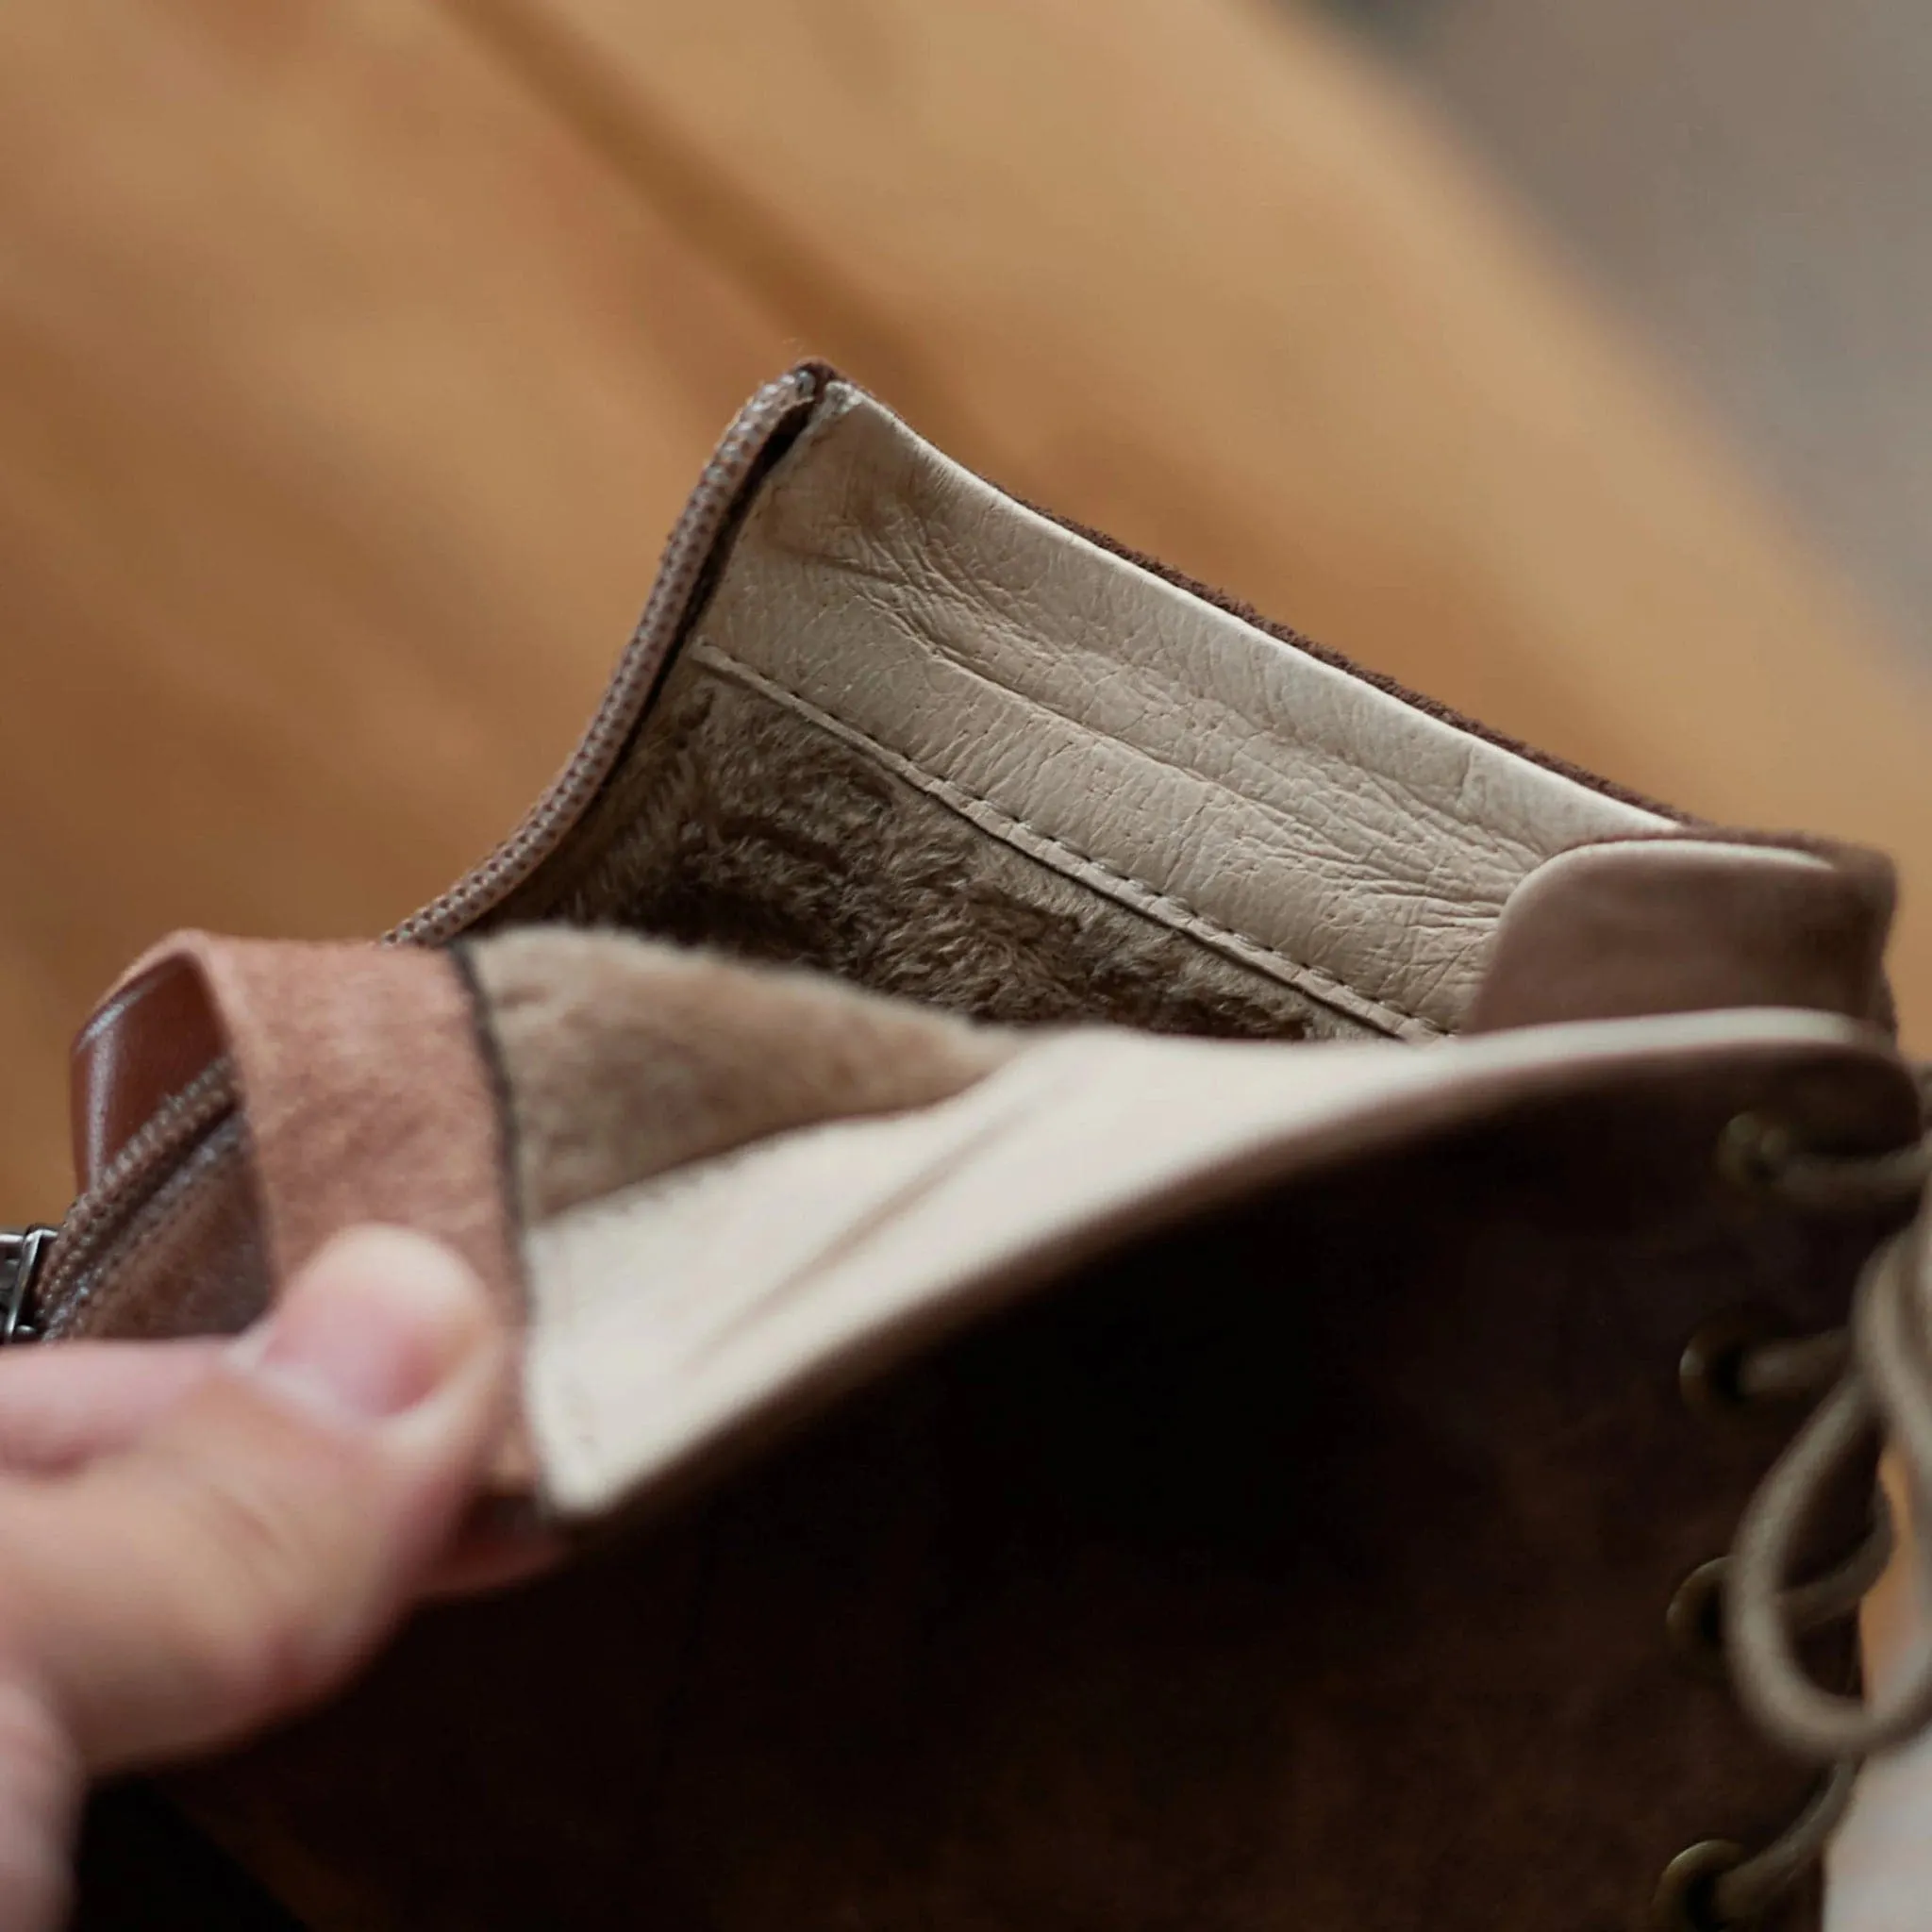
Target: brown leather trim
153	1035
1685	924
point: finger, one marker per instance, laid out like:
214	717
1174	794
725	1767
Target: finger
66	1404
60	1406
40	1786
499	1541
242	1558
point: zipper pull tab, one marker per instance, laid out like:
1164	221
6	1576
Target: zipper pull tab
23	1252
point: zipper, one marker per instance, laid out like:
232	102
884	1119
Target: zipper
41	1269
46	1273
752	443
96	1220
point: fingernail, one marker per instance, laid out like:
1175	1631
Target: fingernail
373	1325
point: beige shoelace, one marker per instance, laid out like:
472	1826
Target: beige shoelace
1872	1381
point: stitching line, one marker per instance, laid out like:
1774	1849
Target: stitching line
508	1135
1165	907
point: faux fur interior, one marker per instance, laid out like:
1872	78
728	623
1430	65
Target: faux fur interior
625	1059
736	825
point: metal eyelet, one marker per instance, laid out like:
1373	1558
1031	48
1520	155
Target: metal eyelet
1708	1371
1753	1152
1766	1160
1694	1621
1684	1900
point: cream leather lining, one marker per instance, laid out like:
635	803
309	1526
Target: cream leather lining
1130	734
673	1316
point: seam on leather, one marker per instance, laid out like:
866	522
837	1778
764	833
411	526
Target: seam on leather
503	1096
1049	849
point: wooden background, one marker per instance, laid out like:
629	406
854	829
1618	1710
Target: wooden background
354	357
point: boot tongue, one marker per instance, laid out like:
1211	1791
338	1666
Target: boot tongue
1686	925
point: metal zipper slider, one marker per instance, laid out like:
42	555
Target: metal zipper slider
23	1252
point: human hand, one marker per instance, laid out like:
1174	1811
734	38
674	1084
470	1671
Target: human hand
197	1538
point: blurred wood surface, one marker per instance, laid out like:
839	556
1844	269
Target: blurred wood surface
345	400
354	359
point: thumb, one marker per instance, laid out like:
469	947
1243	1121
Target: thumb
247	1552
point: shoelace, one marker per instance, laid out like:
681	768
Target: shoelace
1872	1380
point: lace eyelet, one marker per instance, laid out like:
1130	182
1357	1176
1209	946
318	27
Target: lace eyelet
1709	1369
1765	1160
1752	1153
1694	1620
1685	1899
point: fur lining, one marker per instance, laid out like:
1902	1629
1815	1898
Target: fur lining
625	1058
734	824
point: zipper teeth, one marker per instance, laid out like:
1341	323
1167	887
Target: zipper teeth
686	557
132	1176
98	1217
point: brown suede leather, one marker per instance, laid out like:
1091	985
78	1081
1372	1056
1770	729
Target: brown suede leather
149	1039
1305	1567
365	1090
1686	925
622	1061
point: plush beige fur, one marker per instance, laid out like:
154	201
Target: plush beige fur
624	1058
735	824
